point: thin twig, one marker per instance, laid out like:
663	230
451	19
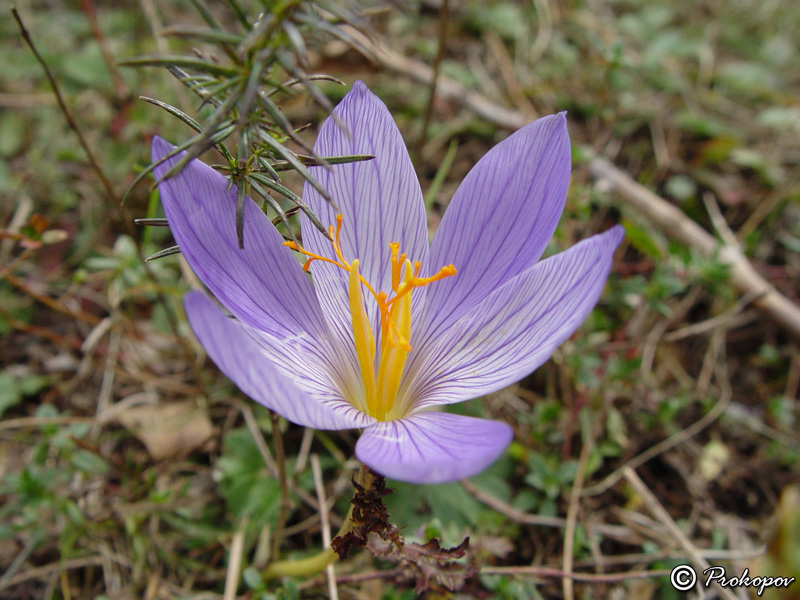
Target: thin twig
674	223
661	447
65	109
649	557
63	565
512	513
11	234
437	63
120	87
107	385
319	486
447	87
50	302
729	319
109	188
43	332
545	32
572	514
359	577
65	593
286	502
719	222
258	438
578	577
498	49
305	448
518	516
23	422
651	342
11	267
157	29
234	564
658	511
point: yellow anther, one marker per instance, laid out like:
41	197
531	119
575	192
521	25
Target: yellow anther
336	244
395	347
363	338
380	390
395	247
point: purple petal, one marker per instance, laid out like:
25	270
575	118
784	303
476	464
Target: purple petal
514	329
262	284
380	201
233	348
432	447
501	217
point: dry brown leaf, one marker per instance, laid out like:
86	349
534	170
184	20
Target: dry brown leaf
168	430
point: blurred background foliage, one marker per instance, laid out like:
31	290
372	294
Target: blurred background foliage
129	468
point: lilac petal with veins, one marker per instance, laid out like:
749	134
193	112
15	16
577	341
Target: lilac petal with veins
241	358
380	200
500	219
432	447
262	284
515	328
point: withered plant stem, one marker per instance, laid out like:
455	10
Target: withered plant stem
120	87
95	164
286	502
64	108
437	63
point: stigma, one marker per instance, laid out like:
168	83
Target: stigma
381	377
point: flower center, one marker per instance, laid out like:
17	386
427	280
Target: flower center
380	389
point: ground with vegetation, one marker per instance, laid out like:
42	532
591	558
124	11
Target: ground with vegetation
664	432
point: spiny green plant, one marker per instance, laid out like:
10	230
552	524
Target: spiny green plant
239	76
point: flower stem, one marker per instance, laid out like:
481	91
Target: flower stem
310	565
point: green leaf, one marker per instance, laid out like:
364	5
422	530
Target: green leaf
245	483
10	394
31	385
414	505
641	239
89	462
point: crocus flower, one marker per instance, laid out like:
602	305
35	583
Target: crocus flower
389	328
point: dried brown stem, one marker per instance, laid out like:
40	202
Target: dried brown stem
43	332
572	516
437	63
447	87
577	577
234	564
95	164
61	566
50	302
677	225
120	87
659	512
663	446
319	486
286	502
518	516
